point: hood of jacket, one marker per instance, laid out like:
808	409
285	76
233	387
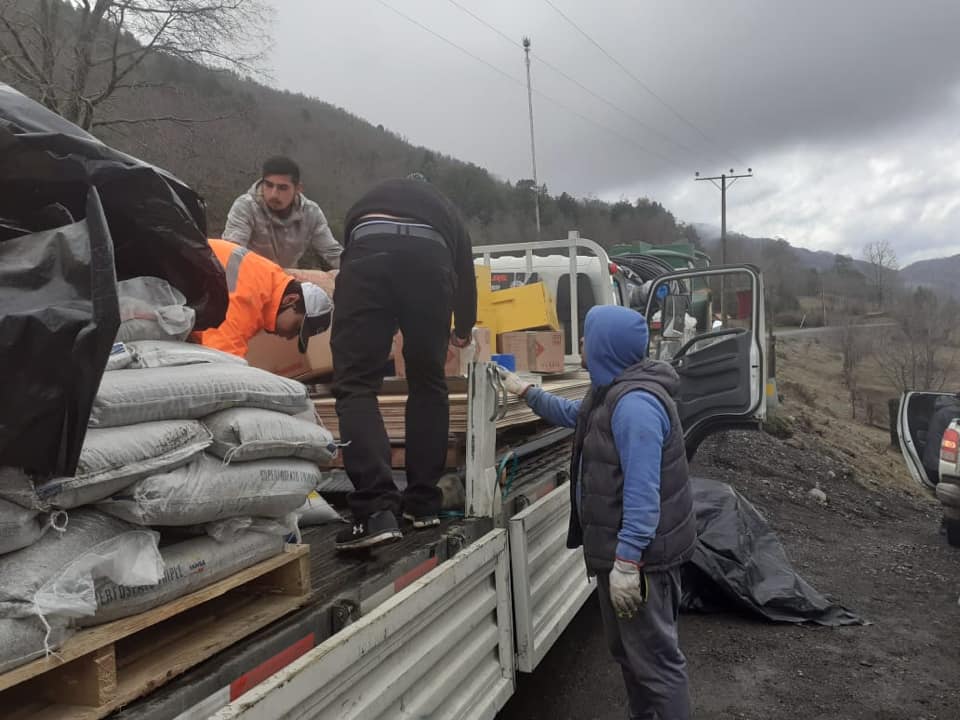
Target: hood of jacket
615	338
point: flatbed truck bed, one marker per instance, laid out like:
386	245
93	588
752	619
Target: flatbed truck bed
347	586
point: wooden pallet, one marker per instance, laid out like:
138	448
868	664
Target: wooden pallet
103	668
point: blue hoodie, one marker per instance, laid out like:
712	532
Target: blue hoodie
616	338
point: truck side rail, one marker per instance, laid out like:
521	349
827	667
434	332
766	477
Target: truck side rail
441	648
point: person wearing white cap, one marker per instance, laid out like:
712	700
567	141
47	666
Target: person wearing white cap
264	298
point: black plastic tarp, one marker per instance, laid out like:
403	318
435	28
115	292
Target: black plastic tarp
740	564
157	223
75	217
58	318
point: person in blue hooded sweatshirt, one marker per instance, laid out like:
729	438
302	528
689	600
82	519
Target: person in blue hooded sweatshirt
631	503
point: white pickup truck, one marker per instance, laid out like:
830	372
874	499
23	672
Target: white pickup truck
929	430
438	626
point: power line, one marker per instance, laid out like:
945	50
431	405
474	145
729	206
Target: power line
520	82
480	20
576	82
632	75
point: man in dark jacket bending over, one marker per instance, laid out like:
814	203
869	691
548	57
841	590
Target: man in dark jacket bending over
632	507
407	263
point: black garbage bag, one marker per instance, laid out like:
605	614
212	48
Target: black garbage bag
738	563
58	317
156	222
75	217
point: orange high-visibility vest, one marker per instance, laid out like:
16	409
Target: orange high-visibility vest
256	288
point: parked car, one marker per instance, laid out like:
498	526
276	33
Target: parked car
929	428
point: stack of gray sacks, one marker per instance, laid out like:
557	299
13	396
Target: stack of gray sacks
194	466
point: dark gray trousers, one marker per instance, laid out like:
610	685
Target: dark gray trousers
647	649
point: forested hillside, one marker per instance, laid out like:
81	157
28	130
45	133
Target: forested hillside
219	127
213	128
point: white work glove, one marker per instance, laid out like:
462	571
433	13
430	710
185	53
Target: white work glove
628	588
512	382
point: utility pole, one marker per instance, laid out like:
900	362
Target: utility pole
724	184
533	147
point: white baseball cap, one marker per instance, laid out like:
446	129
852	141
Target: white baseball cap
319	311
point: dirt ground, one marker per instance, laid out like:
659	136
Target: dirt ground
875	547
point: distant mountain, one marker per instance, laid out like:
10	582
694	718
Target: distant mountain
939	274
745	248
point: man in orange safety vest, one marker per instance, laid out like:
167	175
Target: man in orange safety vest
264	297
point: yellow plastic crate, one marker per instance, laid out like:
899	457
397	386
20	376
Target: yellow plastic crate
487	318
486	314
529	307
484	284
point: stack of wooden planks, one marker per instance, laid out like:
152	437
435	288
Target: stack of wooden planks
392	407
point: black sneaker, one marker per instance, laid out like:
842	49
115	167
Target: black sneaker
379	529
420	522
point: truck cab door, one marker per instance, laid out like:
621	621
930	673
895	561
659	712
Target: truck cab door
922	418
722	363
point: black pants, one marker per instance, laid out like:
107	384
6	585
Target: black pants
384	283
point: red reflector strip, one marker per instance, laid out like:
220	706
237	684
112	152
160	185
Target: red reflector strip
545	490
279	661
412	576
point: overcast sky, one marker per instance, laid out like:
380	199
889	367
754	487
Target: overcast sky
847	110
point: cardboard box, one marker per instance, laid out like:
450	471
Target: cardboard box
282	357
529	307
326	280
396	352
535	351
457	359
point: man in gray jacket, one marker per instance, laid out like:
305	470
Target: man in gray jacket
276	220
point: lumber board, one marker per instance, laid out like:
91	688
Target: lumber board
393	406
456	456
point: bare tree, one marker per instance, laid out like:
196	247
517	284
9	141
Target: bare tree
76	55
855	347
920	352
883	267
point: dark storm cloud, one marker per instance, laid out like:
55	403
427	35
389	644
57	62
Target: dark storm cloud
819	97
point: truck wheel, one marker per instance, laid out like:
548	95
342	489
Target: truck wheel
953	531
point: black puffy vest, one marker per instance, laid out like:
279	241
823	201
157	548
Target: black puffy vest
595	468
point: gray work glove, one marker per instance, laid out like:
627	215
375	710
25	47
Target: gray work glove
628	588
512	382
